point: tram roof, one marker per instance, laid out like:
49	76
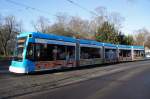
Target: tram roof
90	42
47	36
110	45
124	47
138	47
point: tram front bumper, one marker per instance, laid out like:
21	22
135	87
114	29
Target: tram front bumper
17	67
17	70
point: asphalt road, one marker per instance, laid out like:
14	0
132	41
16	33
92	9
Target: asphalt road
131	83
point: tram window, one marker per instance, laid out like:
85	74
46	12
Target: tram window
30	52
65	52
110	54
19	49
129	53
88	53
95	53
138	53
37	50
125	53
50	52
44	52
18	54
70	53
142	53
60	54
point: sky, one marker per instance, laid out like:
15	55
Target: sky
135	12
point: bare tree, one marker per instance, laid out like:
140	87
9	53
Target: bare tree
147	43
9	29
116	19
97	21
104	16
101	12
61	26
141	36
0	33
42	25
79	27
75	26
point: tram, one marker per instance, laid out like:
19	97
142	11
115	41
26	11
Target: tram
38	51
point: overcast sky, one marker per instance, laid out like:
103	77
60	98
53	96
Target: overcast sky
135	12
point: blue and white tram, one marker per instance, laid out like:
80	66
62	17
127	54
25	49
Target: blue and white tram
37	51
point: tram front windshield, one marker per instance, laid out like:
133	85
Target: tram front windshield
18	56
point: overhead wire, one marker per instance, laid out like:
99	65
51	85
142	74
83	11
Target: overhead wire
28	7
78	5
45	12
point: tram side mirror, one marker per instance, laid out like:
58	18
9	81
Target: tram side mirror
30	35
